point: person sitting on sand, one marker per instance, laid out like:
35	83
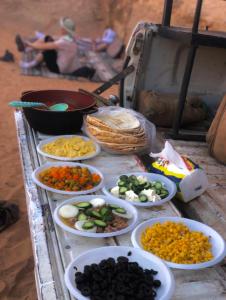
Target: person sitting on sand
60	56
99	44
108	38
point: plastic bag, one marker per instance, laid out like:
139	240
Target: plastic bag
120	131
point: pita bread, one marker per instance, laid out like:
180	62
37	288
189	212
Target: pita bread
117	132
108	136
96	121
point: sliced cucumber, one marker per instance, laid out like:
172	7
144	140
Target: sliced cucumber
113	206
132	178
104	211
96	214
100	223
84	205
82	217
122	190
147	185
120	210
158	192
88	225
143	198
136	183
158	185
121	183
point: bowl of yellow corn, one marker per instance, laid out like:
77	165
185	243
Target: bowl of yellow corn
181	243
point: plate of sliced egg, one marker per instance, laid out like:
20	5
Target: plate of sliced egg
96	216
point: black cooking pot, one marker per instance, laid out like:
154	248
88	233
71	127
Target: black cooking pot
52	122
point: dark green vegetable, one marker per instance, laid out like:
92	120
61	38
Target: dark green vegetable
158	185
104	211
143	198
132	177
82	217
122	190
120	210
122	183
113	206
124	178
84	205
100	223
96	214
107	218
88	212
88	225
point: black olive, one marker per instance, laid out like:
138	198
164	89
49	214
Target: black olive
86	291
157	283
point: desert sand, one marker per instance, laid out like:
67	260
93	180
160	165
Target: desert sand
25	16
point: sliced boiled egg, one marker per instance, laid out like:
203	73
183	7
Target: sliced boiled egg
68	211
97	202
121	212
79	225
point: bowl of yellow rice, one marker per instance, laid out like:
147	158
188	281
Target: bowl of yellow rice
181	243
68	148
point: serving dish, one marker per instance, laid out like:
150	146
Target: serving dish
58	122
144	259
128	207
217	242
36	173
168	185
64	158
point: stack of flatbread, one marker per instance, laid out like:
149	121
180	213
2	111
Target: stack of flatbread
118	132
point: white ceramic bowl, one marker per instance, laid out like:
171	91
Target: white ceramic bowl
144	259
218	244
128	207
49	140
169	185
69	164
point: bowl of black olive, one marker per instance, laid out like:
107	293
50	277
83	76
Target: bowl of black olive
119	273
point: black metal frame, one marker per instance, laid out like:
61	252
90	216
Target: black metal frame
175	134
194	38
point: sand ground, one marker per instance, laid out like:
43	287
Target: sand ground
25	16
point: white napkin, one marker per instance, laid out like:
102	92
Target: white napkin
176	163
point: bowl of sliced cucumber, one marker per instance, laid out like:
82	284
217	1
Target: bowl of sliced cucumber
96	216
141	188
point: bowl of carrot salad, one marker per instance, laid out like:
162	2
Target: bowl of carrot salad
68	178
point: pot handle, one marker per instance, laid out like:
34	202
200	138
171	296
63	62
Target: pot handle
91	110
26	92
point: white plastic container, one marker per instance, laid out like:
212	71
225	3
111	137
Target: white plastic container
128	207
169	185
143	258
49	140
218	243
37	171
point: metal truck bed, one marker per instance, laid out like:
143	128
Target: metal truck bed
53	248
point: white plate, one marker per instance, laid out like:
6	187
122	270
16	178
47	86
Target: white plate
49	140
143	258
218	244
131	209
69	164
169	185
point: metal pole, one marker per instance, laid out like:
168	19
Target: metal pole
167	12
187	72
198	9
184	89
